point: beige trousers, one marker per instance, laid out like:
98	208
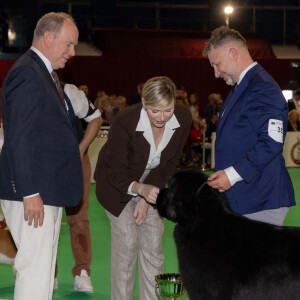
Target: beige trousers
129	242
37	247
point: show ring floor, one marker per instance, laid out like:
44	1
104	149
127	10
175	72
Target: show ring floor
100	267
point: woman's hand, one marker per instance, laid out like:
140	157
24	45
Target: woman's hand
147	191
140	212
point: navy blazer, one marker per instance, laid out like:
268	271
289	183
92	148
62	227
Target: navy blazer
243	142
124	157
40	152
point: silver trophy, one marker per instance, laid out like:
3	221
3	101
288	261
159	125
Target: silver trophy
170	287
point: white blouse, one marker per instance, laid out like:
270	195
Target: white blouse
155	153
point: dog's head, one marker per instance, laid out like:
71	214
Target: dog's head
187	198
180	201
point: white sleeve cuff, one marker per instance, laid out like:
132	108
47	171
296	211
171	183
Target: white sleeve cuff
233	175
31	195
95	115
129	192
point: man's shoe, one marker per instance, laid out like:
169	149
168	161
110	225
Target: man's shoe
83	283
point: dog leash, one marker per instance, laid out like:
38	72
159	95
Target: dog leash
201	187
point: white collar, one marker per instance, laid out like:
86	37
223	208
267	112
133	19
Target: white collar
245	71
43	58
144	122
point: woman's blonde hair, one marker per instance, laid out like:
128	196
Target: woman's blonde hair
159	91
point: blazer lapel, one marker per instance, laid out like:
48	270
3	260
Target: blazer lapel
232	98
45	73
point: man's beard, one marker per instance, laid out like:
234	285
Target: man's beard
230	80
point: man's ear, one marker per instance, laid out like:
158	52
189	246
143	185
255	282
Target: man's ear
48	38
234	53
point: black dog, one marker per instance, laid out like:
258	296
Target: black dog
223	255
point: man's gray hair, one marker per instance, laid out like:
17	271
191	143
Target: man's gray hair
51	22
221	36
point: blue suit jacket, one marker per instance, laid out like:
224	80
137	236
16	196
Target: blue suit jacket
40	152
243	142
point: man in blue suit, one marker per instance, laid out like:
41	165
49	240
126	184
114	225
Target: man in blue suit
251	130
40	167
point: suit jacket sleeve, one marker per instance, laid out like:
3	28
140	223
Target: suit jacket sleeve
115	155
22	110
265	102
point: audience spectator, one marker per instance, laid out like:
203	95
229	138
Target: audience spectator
194	108
294	103
138	97
181	96
219	104
112	100
84	88
211	113
104	106
293	120
120	105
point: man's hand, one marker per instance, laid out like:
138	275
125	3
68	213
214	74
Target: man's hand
34	210
220	181
140	212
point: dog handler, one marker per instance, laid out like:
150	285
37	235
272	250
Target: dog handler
144	146
250	134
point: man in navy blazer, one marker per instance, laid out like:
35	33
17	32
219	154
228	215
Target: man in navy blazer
251	130
40	167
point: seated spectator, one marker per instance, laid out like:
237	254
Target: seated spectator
84	88
294	103
181	96
120	104
138	97
103	105
212	112
293	121
194	108
112	100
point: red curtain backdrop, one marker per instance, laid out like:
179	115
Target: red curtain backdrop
5	65
166	43
120	75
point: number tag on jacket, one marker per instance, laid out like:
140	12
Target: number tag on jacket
275	130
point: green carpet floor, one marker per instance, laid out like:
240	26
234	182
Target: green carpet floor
100	267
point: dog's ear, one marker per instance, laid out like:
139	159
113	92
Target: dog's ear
165	204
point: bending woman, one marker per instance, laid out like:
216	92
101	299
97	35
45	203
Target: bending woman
144	146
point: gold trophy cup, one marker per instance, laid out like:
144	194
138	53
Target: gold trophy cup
170	287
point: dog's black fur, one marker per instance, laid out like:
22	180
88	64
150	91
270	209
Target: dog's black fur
223	255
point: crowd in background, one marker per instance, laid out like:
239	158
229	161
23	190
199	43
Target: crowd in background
202	126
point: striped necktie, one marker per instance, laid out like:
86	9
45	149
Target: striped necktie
59	88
